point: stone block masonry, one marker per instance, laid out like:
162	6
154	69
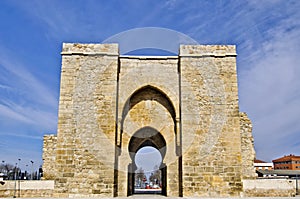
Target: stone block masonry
269	188
27	189
186	106
49	151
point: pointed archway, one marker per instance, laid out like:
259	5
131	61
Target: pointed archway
146	136
148	118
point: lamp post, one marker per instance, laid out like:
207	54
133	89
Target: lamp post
3	168
26	177
15	180
297	191
31	170
19	168
19	177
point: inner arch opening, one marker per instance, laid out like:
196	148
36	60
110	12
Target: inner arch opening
148	158
147	172
148	177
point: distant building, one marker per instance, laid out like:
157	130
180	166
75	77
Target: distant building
278	173
262	165
289	162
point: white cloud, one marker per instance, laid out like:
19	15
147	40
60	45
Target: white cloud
7	113
22	81
270	87
25	99
33	115
62	21
50	15
267	37
5	87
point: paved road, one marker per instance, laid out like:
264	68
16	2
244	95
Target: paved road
147	191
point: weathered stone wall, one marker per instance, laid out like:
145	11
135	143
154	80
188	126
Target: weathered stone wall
269	188
27	189
248	152
190	100
210	121
86	123
49	153
251	188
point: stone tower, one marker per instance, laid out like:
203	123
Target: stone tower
185	106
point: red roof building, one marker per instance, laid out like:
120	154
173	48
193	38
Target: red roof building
289	162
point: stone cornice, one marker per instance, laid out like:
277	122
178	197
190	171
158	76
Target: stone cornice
90	49
207	51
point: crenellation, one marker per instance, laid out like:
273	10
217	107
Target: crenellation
89	49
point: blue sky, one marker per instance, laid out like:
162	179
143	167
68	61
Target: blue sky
266	32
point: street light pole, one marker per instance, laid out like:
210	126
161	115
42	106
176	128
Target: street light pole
19	177
15	180
20	168
31	170
26	174
297	191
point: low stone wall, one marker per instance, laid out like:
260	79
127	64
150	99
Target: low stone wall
251	188
27	188
269	188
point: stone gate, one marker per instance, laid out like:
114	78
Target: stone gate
185	106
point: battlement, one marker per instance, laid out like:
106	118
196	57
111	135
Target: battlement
90	49
184	50
207	50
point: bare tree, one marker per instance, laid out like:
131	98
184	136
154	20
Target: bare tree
6	168
155	177
9	170
140	177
